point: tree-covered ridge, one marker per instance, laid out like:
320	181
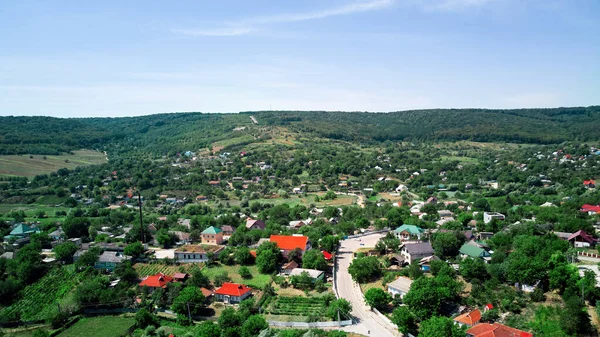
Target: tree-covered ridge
162	133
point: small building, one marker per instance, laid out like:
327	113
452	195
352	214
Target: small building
212	236
489	216
287	243
109	260
180	277
255	224
590	209
313	273
582	239
468	319
495	329
589	183
296	224
408	232
472	250
400	286
159	280
227	230
8	255
208	294
57	235
231	293
201	198
22	231
416	251
196	253
288	267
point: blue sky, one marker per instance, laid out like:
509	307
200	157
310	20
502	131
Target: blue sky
125	58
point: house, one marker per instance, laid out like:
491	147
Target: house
489	216
401	188
214	183
196	253
327	255
589	183
288	267
469	318
255	224
57	235
408	232
432	200
231	293
159	280
180	277
400	286
495	329
590	209
288	243
416	251
581	239
227	230
212	236
183	238
109	260
208	294
471	250
8	255
22	231
296	224
548	204
313	273
201	198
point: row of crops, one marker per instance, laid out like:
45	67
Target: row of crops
298	306
35	298
145	269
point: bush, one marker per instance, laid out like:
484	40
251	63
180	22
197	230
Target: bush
538	295
145	318
245	272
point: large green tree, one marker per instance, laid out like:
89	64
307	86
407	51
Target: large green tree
191	297
64	252
377	298
363	269
440	327
314	259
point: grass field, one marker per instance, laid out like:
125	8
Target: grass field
24	166
258	280
105	326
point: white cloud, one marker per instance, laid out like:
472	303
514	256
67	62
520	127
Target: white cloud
452	5
248	25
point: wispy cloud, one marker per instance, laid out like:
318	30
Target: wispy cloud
453	5
249	25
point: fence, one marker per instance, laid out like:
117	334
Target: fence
309	325
588	254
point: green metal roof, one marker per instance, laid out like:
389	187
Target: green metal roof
412	229
23	229
212	230
471	250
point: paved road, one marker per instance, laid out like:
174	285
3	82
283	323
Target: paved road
348	289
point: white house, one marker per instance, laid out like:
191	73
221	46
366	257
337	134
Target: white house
489	216
400	286
196	253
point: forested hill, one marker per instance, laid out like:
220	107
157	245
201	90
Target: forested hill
521	125
180	131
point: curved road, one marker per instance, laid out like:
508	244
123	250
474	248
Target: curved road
350	290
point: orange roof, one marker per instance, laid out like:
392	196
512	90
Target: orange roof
206	292
287	242
469	318
159	280
253	253
589	182
496	330
233	289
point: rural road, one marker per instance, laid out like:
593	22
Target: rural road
368	321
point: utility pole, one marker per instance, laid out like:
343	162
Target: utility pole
189	314
339	320
142	234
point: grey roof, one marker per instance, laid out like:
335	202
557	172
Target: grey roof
419	248
8	255
58	232
111	257
311	272
401	283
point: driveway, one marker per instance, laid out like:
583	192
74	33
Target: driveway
350	290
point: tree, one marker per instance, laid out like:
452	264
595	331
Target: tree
189	296
144	318
365	268
302	281
64	252
414	271
446	245
481	204
314	259
426	295
440	327
295	255
473	269
230	322
394	217
266	261
90	257
377	298
404	319
221	278
76	227
245	272
164	238
243	256
329	243
208	329
342	305
198	279
134	250
125	272
253	326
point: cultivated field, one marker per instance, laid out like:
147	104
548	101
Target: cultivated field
145	269
32	165
105	326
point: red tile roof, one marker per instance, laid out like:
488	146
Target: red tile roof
469	318
253	253
159	280
327	255
589	182
287	242
233	289
590	208
583	235
496	330
206	292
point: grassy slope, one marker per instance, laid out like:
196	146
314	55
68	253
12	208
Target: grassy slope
258	280
22	165
105	326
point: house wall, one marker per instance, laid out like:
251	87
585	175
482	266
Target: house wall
232	299
395	291
213	239
191	257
